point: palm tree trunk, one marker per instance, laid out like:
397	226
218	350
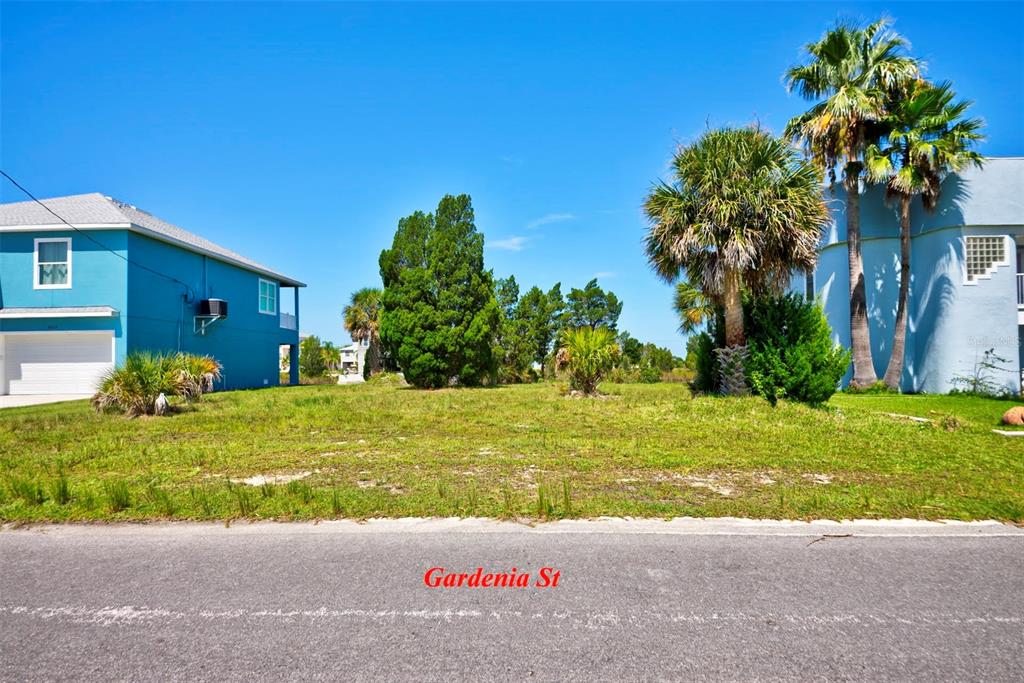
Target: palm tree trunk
860	336
894	372
733	300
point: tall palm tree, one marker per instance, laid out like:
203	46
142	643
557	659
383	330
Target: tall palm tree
850	70
362	320
742	211
924	138
692	307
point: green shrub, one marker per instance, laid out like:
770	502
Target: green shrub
650	375
792	354
134	387
587	354
705	379
311	358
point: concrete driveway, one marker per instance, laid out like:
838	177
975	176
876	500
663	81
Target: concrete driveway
19	401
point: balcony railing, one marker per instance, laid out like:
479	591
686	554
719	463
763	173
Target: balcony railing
1020	289
289	321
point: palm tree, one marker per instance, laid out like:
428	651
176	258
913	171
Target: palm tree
331	355
587	353
693	308
362	320
744	209
850	69
924	139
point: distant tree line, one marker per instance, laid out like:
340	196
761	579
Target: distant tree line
443	319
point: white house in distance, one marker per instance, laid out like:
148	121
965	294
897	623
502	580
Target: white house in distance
353	358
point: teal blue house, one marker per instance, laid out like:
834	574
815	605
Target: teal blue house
74	301
967	277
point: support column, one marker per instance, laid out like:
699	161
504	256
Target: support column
293	364
293	350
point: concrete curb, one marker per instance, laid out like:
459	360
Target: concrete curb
686	526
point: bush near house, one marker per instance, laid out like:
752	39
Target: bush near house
791	352
134	387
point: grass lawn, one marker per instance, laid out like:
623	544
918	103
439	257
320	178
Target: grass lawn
514	451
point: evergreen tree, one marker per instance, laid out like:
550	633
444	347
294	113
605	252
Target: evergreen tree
440	316
311	358
632	349
541	312
592	307
512	346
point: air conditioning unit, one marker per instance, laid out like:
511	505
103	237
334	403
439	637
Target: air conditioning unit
213	308
210	311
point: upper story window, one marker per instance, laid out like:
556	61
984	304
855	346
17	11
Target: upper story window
268	297
52	263
983	254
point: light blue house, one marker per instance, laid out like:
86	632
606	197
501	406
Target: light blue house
75	301
967	286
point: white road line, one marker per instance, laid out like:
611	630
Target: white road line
130	615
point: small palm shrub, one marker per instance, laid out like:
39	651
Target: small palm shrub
133	388
197	374
587	354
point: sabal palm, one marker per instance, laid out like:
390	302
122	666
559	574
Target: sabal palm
362	315
587	353
925	137
742	211
692	307
850	70
362	320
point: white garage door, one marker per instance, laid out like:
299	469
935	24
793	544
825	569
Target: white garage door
57	363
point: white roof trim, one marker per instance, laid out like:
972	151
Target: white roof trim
58	312
63	226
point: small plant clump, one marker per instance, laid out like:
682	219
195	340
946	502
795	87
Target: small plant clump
587	354
118	495
135	387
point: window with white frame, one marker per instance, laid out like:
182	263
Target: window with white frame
982	254
268	297
52	263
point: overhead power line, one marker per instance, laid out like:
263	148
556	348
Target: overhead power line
85	234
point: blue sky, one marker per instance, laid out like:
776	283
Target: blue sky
298	134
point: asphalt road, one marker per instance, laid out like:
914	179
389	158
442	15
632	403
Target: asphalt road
341	601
